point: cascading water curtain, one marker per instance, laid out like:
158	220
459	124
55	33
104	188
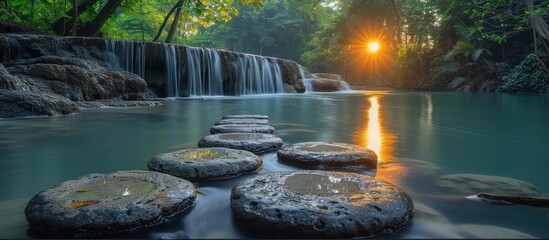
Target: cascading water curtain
172	70
204	72
126	55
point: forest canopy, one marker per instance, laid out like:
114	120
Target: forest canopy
465	45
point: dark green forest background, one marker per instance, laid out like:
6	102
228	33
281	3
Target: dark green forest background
464	45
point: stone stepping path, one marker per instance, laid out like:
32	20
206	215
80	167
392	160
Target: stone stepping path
243	124
233	128
264	117
320	204
205	163
245	121
253	142
321	155
245	132
101	204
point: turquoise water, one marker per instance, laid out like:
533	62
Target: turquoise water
419	137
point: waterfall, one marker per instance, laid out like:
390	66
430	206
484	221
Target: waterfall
202	68
172	70
306	81
345	86
126	55
279	83
204	72
258	75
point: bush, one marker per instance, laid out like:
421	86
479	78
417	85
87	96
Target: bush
528	76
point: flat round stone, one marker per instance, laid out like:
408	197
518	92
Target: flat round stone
253	142
242	129
242	122
101	204
205	163
319	204
246	117
327	155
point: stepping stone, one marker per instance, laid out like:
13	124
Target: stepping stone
265	117
101	204
319	204
469	184
242	129
253	142
205	163
242	122
327	155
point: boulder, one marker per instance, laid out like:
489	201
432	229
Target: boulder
253	142
205	163
328	76
26	103
101	204
327	155
325	85
319	204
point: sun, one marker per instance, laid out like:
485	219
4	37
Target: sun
373	46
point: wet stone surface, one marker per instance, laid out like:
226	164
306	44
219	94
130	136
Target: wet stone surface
205	163
253	142
246	116
233	128
102	204
319	204
242	122
323	155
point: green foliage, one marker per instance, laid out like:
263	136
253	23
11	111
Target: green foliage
528	76
276	30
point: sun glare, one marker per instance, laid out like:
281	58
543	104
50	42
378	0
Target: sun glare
373	46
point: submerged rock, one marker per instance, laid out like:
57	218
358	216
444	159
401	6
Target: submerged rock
409	174
234	128
253	142
468	184
320	204
327	155
205	163
490	232
100	204
244	121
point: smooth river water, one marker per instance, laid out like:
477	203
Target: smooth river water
418	137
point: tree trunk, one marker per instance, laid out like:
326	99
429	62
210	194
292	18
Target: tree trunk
398	22
541	28
92	28
75	17
59	26
8	9
178	4
174	25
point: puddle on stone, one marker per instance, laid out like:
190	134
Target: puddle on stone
203	154
320	185
324	148
241	136
110	187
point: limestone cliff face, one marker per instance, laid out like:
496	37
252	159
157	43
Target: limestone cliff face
75	70
152	61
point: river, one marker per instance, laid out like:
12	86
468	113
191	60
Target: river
417	135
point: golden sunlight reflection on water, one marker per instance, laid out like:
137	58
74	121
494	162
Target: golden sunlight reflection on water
373	135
